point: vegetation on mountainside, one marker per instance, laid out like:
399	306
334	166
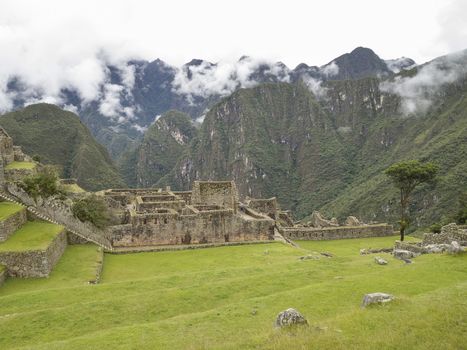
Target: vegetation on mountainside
43	184
406	176
163	144
461	215
58	137
228	298
92	209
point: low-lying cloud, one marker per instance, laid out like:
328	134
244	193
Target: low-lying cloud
223	78
418	92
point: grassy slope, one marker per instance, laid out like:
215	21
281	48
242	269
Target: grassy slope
33	235
7	209
20	165
228	298
60	138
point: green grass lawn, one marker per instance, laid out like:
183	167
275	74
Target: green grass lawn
21	165
33	235
73	188
7	209
228	298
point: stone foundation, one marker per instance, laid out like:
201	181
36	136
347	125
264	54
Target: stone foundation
341	232
35	263
11	224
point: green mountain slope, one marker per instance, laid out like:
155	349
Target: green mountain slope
163	144
273	140
60	138
439	136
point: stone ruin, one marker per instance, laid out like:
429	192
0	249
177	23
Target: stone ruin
320	228
452	239
210	213
10	153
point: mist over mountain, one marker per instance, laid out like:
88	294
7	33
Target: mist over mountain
123	98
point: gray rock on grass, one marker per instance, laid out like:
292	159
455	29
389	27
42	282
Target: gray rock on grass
290	317
376	298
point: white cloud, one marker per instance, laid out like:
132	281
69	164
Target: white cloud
314	85
224	77
417	92
330	69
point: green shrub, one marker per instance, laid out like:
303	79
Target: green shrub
435	228
92	209
461	215
43	184
36	158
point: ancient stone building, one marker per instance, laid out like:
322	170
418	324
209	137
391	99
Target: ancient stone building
211	213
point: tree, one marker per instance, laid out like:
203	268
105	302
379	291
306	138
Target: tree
407	175
92	209
43	184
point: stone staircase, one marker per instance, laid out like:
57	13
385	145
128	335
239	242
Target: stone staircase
80	233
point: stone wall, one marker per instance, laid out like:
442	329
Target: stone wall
61	213
18	174
35	263
268	206
449	233
341	232
11	224
213	226
221	193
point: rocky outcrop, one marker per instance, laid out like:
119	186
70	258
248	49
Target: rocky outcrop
376	298
290	317
403	254
352	221
318	221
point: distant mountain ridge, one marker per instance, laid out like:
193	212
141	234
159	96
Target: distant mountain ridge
58	137
138	91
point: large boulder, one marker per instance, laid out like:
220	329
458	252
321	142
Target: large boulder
403	254
352	221
318	221
376	298
290	317
437	248
455	248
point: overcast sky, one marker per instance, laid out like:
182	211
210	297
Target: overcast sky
292	31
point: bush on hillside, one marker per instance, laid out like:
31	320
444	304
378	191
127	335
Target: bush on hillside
92	209
461	215
43	184
435	228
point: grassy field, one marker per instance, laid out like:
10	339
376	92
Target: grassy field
21	165
7	209
72	188
228	298
33	235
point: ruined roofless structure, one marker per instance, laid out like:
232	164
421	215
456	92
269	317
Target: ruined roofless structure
210	213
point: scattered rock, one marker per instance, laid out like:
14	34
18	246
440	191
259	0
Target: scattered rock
254	312
407	261
376	250
455	248
404	254
352	221
376	298
329	255
309	257
318	221
380	261
290	317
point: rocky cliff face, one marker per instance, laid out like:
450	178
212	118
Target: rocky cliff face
164	143
273	140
